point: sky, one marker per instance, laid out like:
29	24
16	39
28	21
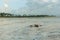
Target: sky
13	3
49	7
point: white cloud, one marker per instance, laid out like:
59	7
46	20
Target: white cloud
50	6
6	5
45	0
54	1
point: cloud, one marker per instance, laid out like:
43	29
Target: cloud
54	1
40	7
35	6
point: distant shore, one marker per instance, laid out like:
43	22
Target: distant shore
9	15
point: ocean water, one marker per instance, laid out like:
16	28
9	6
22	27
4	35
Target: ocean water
19	29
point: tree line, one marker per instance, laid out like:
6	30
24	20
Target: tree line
14	15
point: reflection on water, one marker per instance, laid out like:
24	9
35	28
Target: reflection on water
18	29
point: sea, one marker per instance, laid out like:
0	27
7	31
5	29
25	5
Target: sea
19	28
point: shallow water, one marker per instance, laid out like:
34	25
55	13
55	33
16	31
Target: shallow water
18	29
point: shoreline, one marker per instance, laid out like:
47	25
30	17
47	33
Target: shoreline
27	17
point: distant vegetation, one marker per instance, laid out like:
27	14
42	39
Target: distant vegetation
14	15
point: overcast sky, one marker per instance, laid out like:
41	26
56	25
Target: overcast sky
51	7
